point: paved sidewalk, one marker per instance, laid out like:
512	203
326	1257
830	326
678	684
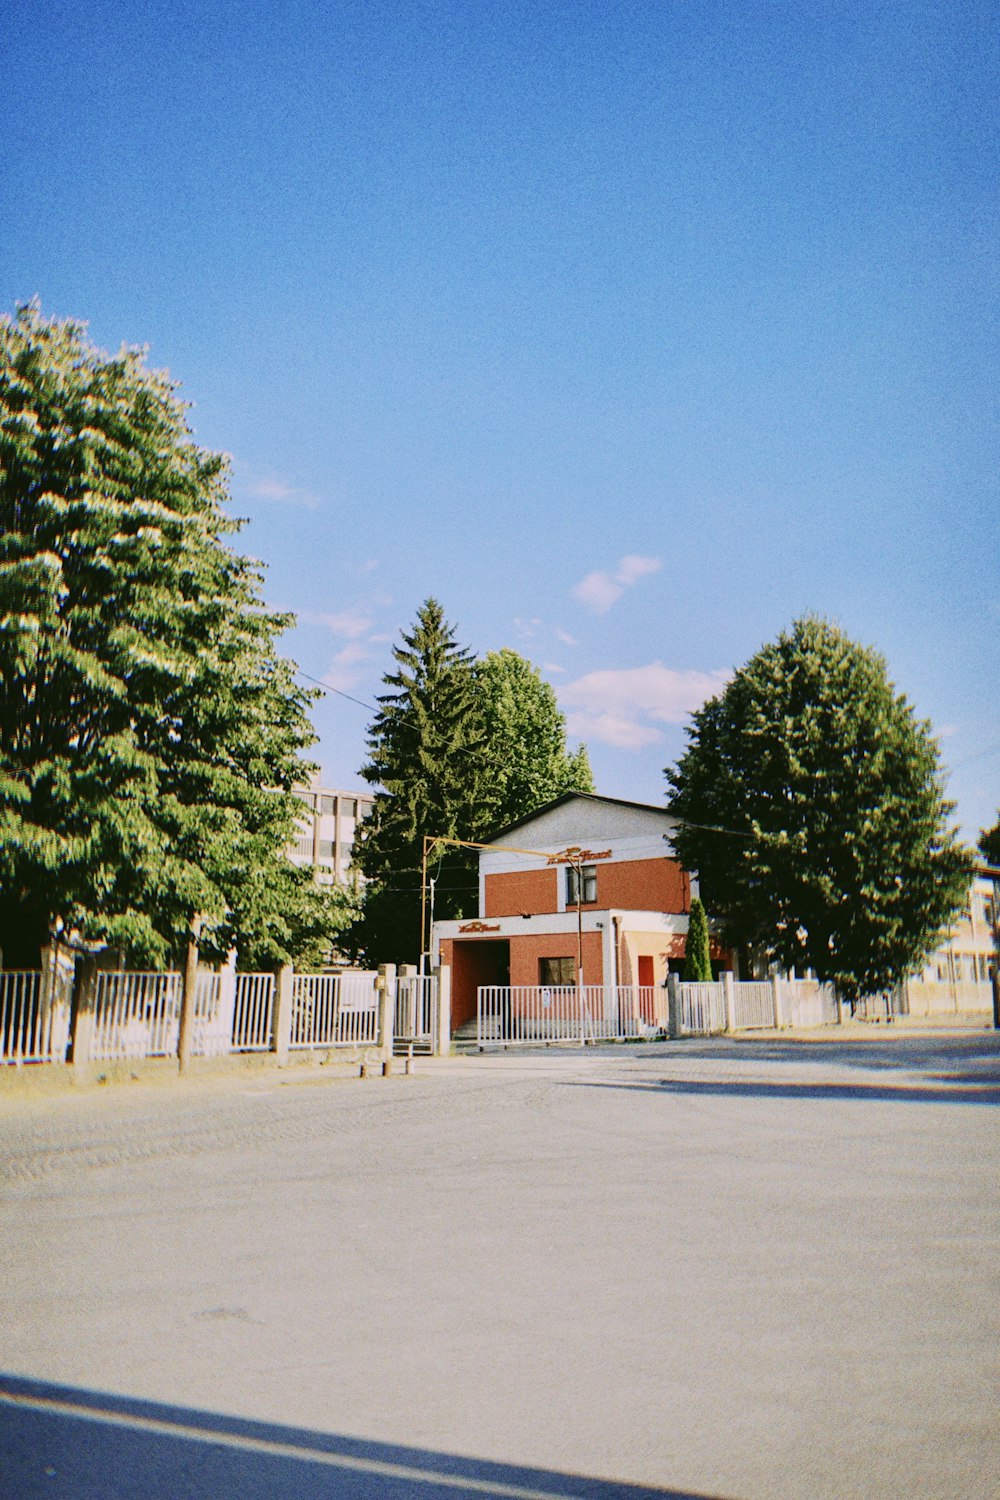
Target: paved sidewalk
724	1268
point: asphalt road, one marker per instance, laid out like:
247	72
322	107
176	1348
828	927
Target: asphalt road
708	1269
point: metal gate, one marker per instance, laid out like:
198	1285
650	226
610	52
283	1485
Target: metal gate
415	1018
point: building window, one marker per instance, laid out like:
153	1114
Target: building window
348	807
556	971
326	848
327	804
585	876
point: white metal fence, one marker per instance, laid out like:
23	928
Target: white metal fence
926	997
806	1002
34	1017
521	1014
138	1015
753	1004
334	1010
702	1009
253	1012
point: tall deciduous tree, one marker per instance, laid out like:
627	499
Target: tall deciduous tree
525	760
149	732
813	811
425	748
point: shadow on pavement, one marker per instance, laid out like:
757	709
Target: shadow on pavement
68	1444
952	1091
943	1057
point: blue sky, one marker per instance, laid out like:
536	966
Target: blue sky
630	331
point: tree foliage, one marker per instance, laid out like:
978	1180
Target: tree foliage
149	732
697	958
457	749
425	748
525	761
813	811
989	843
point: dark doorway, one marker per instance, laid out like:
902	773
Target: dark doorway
475	961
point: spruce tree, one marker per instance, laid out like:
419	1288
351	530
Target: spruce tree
425	748
812	808
149	733
697	959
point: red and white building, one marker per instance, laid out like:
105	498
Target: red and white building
584	878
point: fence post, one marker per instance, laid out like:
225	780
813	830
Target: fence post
83	1014
776	1000
673	1007
407	1001
443	976
995	983
185	1030
46	988
386	1007
227	998
730	999
281	1022
838	997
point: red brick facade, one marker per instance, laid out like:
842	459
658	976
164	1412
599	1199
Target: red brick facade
623	885
521	891
526	951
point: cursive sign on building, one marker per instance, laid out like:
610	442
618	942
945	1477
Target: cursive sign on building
576	856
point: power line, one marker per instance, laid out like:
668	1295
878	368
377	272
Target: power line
339	691
979	755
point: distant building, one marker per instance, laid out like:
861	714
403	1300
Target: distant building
326	829
964	956
600	889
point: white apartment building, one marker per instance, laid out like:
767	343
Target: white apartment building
327	825
965	955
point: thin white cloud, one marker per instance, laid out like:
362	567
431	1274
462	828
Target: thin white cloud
565	637
348	623
624	707
552	666
279	492
369	566
599	590
342	672
611	729
527	629
634	567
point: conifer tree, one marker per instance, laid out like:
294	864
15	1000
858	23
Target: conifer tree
697	959
812	809
149	733
425	746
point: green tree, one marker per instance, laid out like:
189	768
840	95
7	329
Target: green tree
989	843
425	747
697	959
525	761
813	811
149	733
